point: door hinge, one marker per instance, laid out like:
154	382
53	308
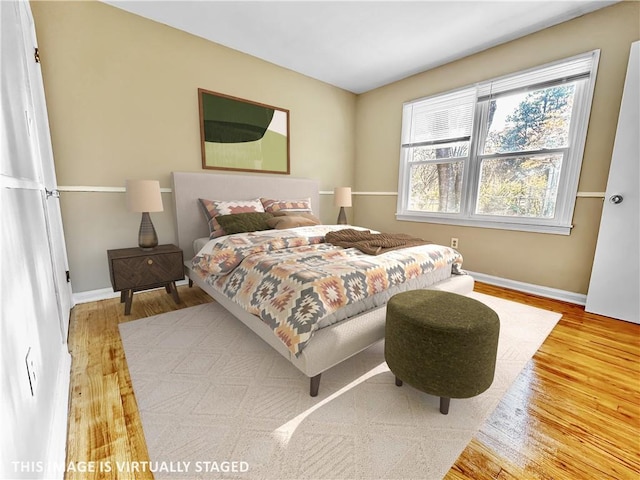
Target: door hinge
68	276
52	193
36	55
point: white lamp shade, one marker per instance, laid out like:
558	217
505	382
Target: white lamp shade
342	196
144	196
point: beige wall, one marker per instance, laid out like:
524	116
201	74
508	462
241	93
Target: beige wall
121	93
122	99
555	261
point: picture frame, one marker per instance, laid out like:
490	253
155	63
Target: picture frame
242	135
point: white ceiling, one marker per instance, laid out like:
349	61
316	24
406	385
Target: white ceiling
360	45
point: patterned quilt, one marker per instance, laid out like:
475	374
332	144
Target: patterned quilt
292	279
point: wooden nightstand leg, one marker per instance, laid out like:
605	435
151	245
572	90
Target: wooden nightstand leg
122	296
128	301
190	283
174	291
167	288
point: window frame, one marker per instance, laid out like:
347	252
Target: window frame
561	223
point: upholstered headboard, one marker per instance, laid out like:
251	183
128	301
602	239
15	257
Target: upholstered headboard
189	187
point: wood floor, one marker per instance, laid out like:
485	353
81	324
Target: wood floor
573	412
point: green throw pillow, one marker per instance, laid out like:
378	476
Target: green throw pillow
244	222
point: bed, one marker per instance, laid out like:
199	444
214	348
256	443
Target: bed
340	338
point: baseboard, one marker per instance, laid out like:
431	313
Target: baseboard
94	295
57	449
547	292
102	294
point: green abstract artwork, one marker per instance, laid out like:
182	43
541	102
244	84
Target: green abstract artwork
242	135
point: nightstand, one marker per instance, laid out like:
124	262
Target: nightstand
134	269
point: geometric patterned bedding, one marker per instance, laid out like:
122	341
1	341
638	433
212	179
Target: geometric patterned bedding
292	279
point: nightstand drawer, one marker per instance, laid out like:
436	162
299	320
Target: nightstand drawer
136	269
142	271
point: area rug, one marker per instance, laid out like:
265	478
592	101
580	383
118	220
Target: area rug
217	402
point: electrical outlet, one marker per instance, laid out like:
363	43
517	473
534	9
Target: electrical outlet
31	372
454	242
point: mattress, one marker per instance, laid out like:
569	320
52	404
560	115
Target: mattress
199	243
298	284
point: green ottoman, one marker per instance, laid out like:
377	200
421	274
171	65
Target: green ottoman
441	343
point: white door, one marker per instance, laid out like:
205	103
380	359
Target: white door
614	290
34	361
44	154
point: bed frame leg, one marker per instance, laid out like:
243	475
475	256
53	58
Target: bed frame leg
314	385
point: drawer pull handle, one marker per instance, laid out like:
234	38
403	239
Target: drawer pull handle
149	262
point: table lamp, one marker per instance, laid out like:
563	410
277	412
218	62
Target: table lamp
342	198
144	196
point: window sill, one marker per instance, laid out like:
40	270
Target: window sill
467	222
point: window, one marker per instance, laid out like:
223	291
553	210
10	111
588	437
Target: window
505	153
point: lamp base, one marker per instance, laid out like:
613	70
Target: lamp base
342	217
147	237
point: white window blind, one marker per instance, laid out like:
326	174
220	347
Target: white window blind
440	119
560	72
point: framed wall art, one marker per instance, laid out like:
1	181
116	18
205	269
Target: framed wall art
242	135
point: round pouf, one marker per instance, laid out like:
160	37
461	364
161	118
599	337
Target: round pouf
441	343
